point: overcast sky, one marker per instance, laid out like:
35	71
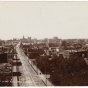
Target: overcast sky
43	19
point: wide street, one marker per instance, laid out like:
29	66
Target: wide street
28	77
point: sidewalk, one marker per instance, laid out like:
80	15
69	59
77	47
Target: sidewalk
40	75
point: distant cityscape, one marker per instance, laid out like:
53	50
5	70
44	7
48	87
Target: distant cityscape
35	40
44	62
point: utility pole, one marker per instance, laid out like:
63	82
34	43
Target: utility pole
46	75
12	68
36	66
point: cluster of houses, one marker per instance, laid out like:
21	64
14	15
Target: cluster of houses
50	49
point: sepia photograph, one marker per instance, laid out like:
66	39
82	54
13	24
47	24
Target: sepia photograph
43	43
